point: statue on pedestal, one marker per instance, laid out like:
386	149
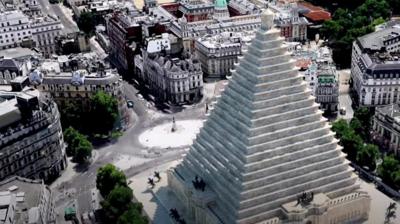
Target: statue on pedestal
173	129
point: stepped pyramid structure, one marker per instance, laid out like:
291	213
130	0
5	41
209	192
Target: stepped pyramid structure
266	154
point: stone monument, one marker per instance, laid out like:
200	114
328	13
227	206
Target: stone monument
265	143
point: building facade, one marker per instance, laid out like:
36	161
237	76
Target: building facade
12	68
44	31
31	139
375	68
218	53
127	32
173	80
323	80
292	26
386	127
196	10
26	201
17	29
77	79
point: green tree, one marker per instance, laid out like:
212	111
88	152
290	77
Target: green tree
83	150
71	115
132	216
351	143
117	202
341	127
70	134
103	113
78	146
367	156
86	22
361	122
389	169
108	177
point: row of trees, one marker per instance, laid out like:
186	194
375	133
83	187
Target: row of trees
78	146
99	120
389	171
354	138
356	142
117	205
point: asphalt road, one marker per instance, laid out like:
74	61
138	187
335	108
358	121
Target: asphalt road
344	97
55	9
78	181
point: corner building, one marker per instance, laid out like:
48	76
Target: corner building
31	139
263	145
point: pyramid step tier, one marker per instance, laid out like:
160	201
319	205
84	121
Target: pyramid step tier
282	150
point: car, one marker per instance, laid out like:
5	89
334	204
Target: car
342	111
130	103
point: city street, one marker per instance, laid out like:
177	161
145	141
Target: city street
344	97
62	12
126	152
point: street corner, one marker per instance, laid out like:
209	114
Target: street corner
151	189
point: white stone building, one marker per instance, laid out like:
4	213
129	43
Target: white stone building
218	53
44	31
323	80
12	68
15	28
375	67
386	127
76	79
189	31
174	80
39	31
265	154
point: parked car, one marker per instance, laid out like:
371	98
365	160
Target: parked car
130	104
342	111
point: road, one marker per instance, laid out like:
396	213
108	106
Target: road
60	11
76	182
344	97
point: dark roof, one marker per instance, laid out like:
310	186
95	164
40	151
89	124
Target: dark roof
7	63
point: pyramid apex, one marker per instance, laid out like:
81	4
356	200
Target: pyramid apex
267	19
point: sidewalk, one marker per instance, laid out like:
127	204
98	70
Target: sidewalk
157	201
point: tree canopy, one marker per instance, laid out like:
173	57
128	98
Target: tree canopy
103	113
118	206
100	119
347	24
367	156
86	22
108	177
389	171
132	216
117	202
78	146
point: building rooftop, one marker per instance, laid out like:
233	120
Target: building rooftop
28	195
374	41
226	39
18	52
9	112
313	13
13	15
392	110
